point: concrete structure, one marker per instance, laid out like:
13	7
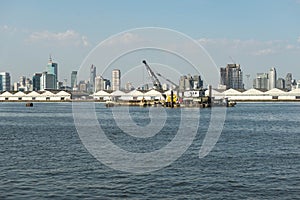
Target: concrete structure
5	81
272	78
232	76
116	79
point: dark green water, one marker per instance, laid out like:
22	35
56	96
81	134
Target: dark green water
256	157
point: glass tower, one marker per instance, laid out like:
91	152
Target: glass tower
52	69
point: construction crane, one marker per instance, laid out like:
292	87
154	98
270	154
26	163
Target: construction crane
156	83
176	86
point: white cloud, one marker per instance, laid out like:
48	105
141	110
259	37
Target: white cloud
6	28
248	47
264	52
69	37
126	38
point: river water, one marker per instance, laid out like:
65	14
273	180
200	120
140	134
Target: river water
256	157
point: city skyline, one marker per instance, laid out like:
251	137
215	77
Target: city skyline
261	39
231	77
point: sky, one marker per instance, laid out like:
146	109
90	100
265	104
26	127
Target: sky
257	34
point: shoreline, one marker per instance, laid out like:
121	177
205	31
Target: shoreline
97	101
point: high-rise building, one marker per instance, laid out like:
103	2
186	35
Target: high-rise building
83	86
22	81
189	82
280	83
16	86
272	78
4	81
47	81
288	81
182	83
261	81
129	86
52	69
92	77
73	79
36	81
232	76
197	82
101	83
294	84
98	83
116	79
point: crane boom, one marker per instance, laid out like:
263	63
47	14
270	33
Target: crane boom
158	74
156	82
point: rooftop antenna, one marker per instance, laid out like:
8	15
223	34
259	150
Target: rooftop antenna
50	58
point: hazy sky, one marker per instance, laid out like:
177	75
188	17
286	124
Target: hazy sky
257	34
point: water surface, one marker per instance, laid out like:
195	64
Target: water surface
256	157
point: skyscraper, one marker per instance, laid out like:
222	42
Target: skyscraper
47	81
22	81
189	82
232	76
261	81
280	83
4	81
272	78
182	83
288	81
73	79
52	69
101	83
116	79
36	82
92	77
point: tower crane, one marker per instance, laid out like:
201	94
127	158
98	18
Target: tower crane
156	82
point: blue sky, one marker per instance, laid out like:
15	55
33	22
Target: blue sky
256	34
